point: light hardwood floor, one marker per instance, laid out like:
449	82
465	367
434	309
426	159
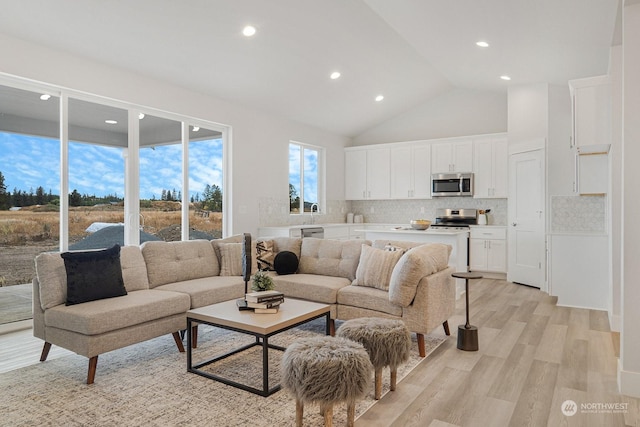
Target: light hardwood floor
533	357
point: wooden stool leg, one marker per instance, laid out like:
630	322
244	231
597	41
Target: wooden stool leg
351	414
299	412
328	416
394	378
378	379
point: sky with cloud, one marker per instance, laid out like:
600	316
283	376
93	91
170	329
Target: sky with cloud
28	162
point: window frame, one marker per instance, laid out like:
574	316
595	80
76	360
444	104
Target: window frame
321	178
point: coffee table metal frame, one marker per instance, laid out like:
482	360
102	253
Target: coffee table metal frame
262	339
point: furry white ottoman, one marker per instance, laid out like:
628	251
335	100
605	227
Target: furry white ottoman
326	370
387	341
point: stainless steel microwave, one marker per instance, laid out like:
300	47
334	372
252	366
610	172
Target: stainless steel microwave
451	184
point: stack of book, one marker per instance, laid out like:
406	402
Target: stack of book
264	301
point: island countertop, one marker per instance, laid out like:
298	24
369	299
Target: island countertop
411	232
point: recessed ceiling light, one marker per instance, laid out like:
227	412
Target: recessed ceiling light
45	97
335	75
111	122
379	98
482	44
196	128
505	77
249	30
140	116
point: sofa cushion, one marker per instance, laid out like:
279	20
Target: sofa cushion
237	238
398	244
97	317
93	275
169	262
52	276
322	289
230	259
291	244
286	262
368	298
375	267
134	269
338	258
415	264
208	290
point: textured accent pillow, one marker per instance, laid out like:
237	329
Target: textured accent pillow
393	248
265	255
375	267
93	275
285	262
230	259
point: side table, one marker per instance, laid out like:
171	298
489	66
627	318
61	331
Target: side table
467	333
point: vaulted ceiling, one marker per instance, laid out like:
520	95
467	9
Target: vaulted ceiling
409	51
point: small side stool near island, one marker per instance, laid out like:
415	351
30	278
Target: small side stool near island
467	333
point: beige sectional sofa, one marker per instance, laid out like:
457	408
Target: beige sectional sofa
164	280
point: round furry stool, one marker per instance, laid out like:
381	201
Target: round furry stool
326	370
387	341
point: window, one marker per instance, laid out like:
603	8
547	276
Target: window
305	178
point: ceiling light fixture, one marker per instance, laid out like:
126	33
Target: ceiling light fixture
482	44
196	128
140	116
249	30
379	98
45	97
505	77
335	75
111	122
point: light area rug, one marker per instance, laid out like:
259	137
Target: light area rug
147	384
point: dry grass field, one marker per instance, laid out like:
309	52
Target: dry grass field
30	231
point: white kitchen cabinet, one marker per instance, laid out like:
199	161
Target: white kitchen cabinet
367	174
411	171
591	111
491	160
488	249
453	156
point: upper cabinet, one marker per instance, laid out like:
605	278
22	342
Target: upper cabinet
411	171
491	160
591	111
453	156
367	173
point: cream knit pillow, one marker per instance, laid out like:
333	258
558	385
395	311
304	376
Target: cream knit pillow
375	267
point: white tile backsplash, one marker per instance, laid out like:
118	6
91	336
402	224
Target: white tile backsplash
275	212
578	214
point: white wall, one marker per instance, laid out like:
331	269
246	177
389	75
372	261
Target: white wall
458	112
560	156
528	117
260	140
629	365
615	153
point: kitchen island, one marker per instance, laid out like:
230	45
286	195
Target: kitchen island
458	239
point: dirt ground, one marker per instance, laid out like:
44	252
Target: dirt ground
18	266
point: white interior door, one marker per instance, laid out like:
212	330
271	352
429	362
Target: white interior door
526	219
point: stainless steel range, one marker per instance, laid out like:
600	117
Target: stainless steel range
455	219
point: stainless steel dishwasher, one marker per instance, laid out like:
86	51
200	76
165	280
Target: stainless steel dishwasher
317	232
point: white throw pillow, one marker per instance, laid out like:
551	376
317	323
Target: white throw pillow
375	267
231	259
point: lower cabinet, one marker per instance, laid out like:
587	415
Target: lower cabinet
488	249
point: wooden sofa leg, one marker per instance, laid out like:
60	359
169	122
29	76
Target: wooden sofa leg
93	364
332	327
194	336
421	347
445	325
178	340
45	351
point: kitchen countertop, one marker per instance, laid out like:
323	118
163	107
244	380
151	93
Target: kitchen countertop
410	231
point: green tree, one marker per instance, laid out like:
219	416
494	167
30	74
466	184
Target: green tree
75	199
294	199
4	196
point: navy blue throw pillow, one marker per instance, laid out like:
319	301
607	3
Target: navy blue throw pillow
93	275
285	262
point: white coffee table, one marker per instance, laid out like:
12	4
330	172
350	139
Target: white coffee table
262	326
